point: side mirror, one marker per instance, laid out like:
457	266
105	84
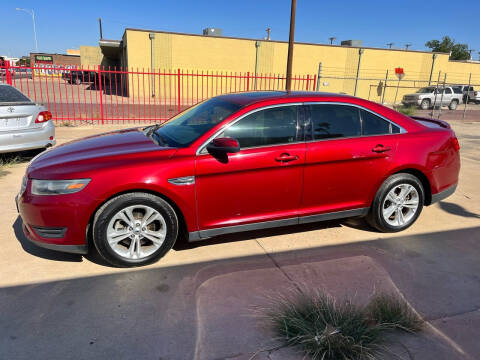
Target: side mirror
223	145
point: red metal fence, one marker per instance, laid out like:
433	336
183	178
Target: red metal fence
110	95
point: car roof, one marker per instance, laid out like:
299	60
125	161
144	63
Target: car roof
247	98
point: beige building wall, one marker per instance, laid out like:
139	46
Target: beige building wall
215	55
90	56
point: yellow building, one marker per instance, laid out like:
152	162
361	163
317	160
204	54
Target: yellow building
168	52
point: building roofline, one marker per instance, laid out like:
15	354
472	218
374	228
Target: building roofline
280	41
466	61
41	53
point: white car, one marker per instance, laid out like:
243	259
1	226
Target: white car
24	125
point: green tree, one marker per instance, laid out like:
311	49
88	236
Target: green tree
446	45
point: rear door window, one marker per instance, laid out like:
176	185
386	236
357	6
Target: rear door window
334	121
375	125
10	95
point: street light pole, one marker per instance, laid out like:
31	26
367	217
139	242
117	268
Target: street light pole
32	13
288	85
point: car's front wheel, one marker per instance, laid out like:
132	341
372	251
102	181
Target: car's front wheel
425	104
397	204
134	229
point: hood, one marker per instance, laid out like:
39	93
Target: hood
96	152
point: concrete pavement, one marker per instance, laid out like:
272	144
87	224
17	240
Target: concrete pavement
196	302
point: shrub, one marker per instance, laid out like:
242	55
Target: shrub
406	110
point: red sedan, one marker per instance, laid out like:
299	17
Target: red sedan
234	163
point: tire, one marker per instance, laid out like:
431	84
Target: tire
111	219
425	104
382	205
453	105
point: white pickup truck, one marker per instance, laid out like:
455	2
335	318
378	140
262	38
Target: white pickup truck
431	96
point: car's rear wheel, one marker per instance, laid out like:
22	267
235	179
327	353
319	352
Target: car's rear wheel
425	104
453	105
397	204
134	229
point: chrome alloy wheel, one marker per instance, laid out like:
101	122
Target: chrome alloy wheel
400	205
136	232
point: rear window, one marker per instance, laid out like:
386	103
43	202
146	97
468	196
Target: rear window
10	95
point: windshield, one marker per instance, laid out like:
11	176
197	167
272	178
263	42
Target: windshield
186	127
425	90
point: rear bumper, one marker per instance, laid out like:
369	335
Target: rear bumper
27	139
443	194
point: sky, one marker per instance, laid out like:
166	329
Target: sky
65	25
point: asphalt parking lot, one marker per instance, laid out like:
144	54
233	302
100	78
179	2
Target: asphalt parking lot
192	304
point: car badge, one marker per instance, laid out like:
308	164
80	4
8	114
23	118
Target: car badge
10	109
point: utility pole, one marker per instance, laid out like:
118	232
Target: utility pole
32	13
390	45
291	40
470	53
101	31
332	39
268	30
407	46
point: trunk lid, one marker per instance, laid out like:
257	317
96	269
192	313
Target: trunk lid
17	117
16	110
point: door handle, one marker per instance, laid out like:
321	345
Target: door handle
381	149
286	158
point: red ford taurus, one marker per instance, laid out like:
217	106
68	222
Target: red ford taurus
234	163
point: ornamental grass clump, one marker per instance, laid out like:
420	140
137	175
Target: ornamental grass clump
392	312
327	329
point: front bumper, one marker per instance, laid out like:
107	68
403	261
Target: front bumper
74	249
410	102
27	139
57	222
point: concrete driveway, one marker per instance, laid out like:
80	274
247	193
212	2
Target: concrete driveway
196	303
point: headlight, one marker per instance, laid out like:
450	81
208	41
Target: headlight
56	187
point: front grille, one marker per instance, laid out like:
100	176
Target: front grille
50	232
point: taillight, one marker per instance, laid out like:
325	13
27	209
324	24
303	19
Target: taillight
475	93
456	145
43	116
